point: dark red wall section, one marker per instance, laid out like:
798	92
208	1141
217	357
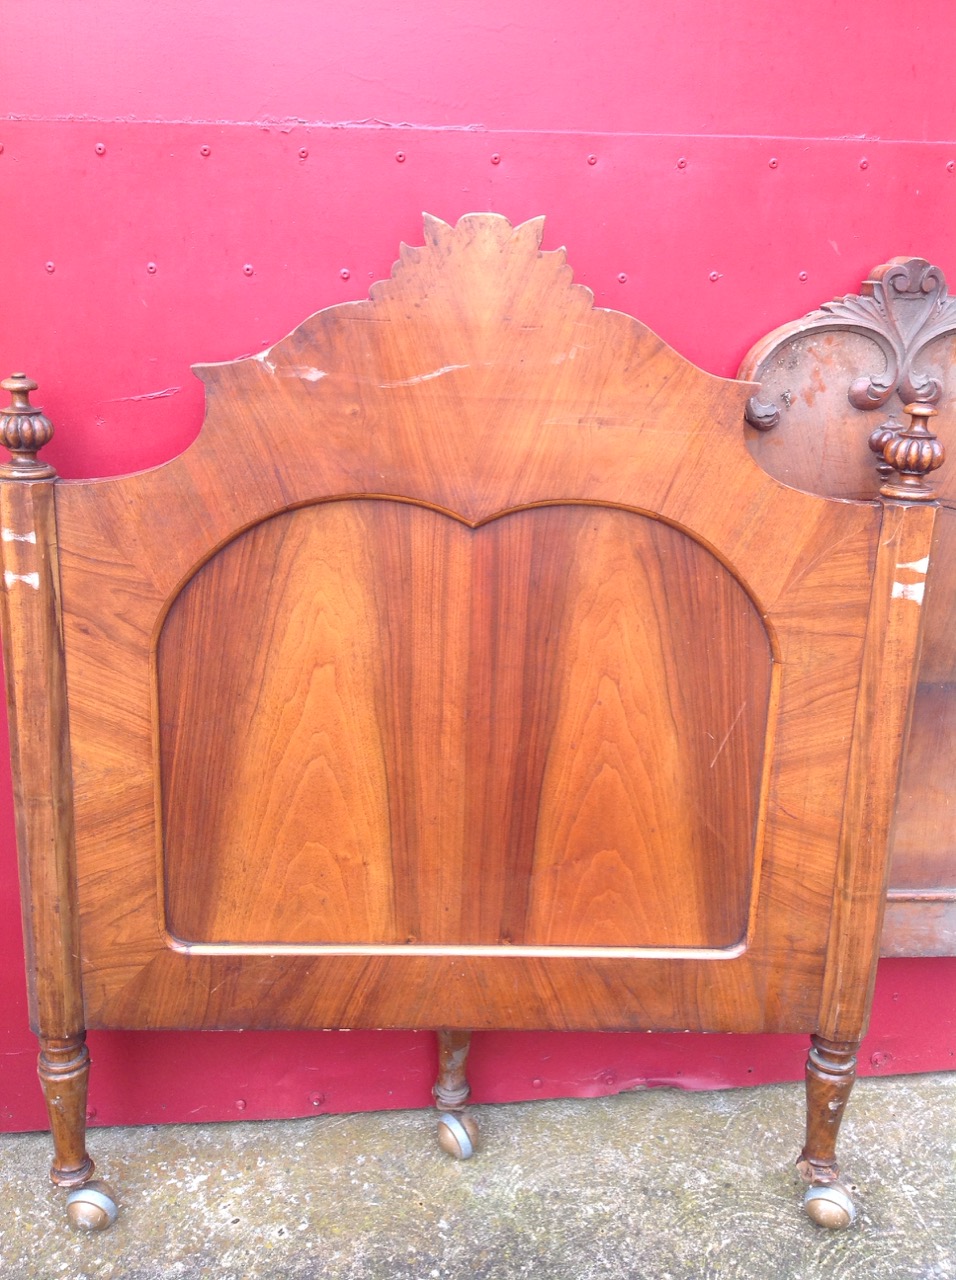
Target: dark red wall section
185	182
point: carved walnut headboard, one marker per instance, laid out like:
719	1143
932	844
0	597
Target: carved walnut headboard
467	671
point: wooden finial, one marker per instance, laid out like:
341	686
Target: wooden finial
880	437
913	453
24	430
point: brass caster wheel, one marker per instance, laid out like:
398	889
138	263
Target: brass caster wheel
457	1135
91	1207
829	1205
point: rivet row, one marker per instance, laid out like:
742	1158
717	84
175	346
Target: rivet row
401	156
345	273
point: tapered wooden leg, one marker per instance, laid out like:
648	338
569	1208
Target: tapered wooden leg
457	1130
64	1069
831	1070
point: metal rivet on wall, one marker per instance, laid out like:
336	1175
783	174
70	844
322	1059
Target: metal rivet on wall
950	166
303	153
682	162
714	277
773	162
100	148
345	273
51	267
204	150
151	268
400	157
864	163
247	269
622	276
802	275
496	158
592	159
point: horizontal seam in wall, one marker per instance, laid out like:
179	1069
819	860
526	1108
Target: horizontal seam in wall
286	125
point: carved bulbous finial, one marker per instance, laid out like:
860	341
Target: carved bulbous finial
24	430
880	437
913	452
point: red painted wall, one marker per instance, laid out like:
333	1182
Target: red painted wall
186	181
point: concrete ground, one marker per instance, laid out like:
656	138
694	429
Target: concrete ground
657	1185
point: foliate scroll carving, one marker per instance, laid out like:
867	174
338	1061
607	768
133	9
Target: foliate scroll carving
24	430
903	307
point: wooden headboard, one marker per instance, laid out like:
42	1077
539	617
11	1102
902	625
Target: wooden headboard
467	671
830	382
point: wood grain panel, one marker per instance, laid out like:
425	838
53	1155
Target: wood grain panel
647	830
410	731
273	779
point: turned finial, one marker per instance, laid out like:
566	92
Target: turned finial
24	430
879	439
913	453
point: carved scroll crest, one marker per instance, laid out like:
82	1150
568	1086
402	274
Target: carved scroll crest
903	307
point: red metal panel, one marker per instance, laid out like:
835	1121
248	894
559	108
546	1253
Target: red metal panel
730	67
170	255
715	169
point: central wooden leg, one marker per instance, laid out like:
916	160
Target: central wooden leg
457	1130
64	1070
831	1071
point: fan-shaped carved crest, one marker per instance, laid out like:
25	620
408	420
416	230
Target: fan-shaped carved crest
467	378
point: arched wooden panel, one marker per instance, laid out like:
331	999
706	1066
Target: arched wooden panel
407	730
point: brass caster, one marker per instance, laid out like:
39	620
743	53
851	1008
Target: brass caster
829	1205
457	1135
91	1207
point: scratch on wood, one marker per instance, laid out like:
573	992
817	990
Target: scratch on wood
425	377
723	741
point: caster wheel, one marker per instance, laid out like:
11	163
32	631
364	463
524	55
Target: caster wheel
830	1206
457	1135
91	1207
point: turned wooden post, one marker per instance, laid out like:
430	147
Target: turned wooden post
457	1131
452	1089
831	1071
888	685
40	751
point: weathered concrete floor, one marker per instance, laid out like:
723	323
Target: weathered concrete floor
650	1186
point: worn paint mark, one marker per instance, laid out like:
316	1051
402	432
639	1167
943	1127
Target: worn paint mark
569	355
909	591
285	124
308	373
918	566
425	377
723	741
31	579
9	535
148	395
